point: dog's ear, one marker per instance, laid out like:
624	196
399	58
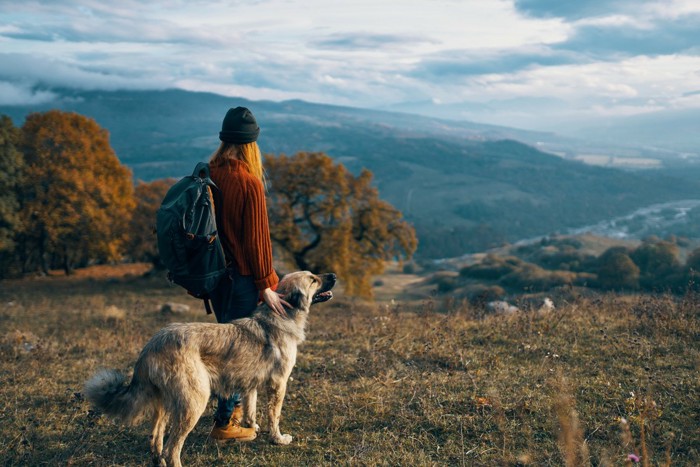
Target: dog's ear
294	298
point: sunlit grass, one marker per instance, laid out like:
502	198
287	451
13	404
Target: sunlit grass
406	384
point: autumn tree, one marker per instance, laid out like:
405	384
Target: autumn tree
143	244
323	218
77	197
10	168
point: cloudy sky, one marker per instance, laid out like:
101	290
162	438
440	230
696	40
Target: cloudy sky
525	63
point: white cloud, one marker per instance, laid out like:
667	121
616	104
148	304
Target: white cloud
20	94
672	8
30	70
260	93
360	53
663	78
619	21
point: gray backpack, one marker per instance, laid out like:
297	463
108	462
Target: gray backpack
188	241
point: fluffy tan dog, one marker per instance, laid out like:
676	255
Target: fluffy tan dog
184	363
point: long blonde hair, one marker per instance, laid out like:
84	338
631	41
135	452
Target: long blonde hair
248	153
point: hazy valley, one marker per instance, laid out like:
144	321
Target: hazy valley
466	187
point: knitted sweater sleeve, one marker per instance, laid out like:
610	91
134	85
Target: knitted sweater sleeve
257	237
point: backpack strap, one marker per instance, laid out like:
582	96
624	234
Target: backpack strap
205	298
207	304
201	170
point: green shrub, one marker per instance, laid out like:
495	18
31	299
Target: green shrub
693	261
658	263
616	270
492	267
447	284
534	278
481	293
567	260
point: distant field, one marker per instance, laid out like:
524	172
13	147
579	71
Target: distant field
427	382
620	162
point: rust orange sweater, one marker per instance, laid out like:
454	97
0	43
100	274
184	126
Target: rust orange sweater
241	217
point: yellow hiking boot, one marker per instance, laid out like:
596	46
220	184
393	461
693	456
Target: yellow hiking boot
233	431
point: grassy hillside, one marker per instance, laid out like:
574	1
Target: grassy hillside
463	190
403	383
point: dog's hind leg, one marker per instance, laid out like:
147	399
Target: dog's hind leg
278	388
250	401
185	409
160	420
180	426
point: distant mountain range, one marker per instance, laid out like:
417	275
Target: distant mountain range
667	133
674	130
465	186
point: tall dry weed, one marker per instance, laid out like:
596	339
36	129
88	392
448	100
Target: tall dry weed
572	445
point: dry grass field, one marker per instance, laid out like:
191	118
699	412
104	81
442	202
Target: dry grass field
421	383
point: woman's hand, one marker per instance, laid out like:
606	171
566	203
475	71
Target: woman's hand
275	302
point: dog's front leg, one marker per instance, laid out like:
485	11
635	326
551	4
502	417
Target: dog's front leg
277	391
250	400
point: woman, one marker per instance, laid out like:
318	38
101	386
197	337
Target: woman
241	217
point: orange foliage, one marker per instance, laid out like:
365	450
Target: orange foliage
77	197
143	244
325	219
10	167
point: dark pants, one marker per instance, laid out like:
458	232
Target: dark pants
235	297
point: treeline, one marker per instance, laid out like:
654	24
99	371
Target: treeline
67	202
653	266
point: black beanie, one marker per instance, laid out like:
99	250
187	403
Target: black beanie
239	127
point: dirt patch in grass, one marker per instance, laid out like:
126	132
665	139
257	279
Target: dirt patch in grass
416	383
97	272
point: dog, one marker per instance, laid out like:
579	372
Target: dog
184	363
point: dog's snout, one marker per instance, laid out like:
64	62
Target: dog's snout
329	279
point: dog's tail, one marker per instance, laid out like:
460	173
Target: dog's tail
107	391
